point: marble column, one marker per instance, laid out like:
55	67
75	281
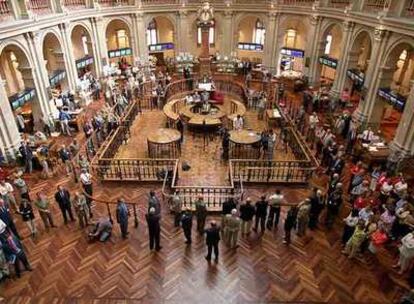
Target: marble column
340	75
69	58
37	77
99	37
404	137
270	57
317	46
227	45
183	29
372	77
9	134
140	28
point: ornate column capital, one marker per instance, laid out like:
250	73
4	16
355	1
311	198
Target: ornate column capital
228	13
348	26
138	15
314	19
272	15
379	33
182	13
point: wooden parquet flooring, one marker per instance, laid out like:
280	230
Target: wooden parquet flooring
68	269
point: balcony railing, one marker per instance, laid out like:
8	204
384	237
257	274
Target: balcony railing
160	2
113	2
39	6
339	3
409	10
297	2
373	6
5	10
73	4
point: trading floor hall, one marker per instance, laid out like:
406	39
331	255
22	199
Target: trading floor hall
175	151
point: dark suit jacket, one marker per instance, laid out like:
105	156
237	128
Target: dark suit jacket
153	221
63	200
212	235
5	215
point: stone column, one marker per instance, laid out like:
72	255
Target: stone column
183	29
9	134
372	77
317	45
141	30
227	45
404	137
99	36
270	57
340	75
70	65
37	77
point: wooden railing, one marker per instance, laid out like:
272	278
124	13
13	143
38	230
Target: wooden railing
262	171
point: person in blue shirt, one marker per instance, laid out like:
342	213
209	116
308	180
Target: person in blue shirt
122	214
64	119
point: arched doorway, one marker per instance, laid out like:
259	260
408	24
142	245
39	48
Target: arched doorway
160	38
292	50
358	62
394	87
55	63
329	54
251	39
83	51
118	39
20	87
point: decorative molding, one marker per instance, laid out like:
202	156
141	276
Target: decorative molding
379	33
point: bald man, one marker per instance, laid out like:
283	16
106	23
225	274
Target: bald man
212	240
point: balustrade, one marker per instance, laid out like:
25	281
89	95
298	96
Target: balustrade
39	6
113	2
5	10
373	6
74	3
409	10
339	3
297	2
160	2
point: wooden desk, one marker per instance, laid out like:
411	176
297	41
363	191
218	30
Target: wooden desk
244	144
164	143
273	116
372	158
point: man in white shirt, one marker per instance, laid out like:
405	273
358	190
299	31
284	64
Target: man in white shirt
86	180
6	192
238	123
189	99
313	121
367	136
275	202
401	187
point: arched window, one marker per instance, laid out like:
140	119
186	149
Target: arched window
122	38
211	34
259	33
328	44
290	38
152	33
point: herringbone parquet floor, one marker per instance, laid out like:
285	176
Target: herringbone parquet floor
68	269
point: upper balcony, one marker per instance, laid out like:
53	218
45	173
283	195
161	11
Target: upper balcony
399	10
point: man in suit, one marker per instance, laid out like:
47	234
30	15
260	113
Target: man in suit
13	251
187	224
154	202
62	197
6	217
261	213
154	230
212	240
201	214
27	155
122	215
233	226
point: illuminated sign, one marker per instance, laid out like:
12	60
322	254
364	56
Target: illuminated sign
328	61
396	100
120	53
250	46
292	52
159	47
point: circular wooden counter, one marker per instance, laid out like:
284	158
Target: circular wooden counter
164	143
244	144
